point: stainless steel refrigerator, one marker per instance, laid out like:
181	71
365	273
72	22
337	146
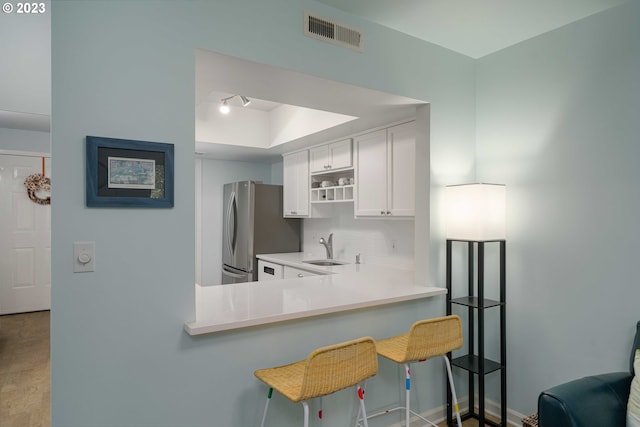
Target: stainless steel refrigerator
253	223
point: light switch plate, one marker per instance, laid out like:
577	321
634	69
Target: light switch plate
84	257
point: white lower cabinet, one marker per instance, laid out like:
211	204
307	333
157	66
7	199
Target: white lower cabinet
385	172
293	273
269	271
272	271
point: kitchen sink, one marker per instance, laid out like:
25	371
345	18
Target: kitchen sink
325	262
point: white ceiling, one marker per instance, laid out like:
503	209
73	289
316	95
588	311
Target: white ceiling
473	27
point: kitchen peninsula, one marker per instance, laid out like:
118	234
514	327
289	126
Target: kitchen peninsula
334	289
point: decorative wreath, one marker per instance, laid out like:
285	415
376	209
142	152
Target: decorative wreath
35	183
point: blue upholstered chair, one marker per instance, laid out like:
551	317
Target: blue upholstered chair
594	401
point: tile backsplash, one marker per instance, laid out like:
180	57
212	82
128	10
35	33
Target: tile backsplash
388	242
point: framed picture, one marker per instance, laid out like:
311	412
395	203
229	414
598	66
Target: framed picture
127	173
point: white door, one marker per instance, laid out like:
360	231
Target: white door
25	239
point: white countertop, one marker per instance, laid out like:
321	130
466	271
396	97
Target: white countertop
340	288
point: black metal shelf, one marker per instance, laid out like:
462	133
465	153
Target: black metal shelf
471	363
470	415
477	365
475	302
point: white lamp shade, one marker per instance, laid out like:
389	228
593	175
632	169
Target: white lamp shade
475	212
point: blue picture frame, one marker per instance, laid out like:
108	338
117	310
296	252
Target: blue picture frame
139	154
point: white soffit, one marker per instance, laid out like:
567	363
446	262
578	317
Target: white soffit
350	107
218	72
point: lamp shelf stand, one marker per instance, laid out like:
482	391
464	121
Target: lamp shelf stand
475	362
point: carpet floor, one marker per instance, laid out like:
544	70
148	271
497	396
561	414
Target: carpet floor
25	370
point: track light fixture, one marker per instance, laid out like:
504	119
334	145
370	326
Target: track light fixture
224	106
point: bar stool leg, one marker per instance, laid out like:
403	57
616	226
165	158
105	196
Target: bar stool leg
407	381
453	390
305	406
357	424
320	410
362	410
266	407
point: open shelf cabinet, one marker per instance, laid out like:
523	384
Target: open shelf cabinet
475	362
334	192
343	193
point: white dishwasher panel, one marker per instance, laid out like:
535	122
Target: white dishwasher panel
269	271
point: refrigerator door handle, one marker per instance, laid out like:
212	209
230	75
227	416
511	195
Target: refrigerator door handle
232	231
234	239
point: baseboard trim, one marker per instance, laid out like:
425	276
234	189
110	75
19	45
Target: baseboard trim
439	414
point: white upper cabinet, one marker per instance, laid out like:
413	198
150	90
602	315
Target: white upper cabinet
296	184
385	172
371	176
402	177
332	156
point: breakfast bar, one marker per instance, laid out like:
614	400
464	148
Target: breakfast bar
335	289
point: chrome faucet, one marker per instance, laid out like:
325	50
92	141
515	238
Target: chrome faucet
328	245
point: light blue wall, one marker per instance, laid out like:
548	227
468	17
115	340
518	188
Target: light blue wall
557	121
119	355
276	173
25	140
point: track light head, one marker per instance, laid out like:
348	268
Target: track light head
224	107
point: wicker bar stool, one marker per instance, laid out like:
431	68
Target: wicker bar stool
325	371
426	339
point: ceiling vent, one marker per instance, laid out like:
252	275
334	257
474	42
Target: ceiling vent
326	30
